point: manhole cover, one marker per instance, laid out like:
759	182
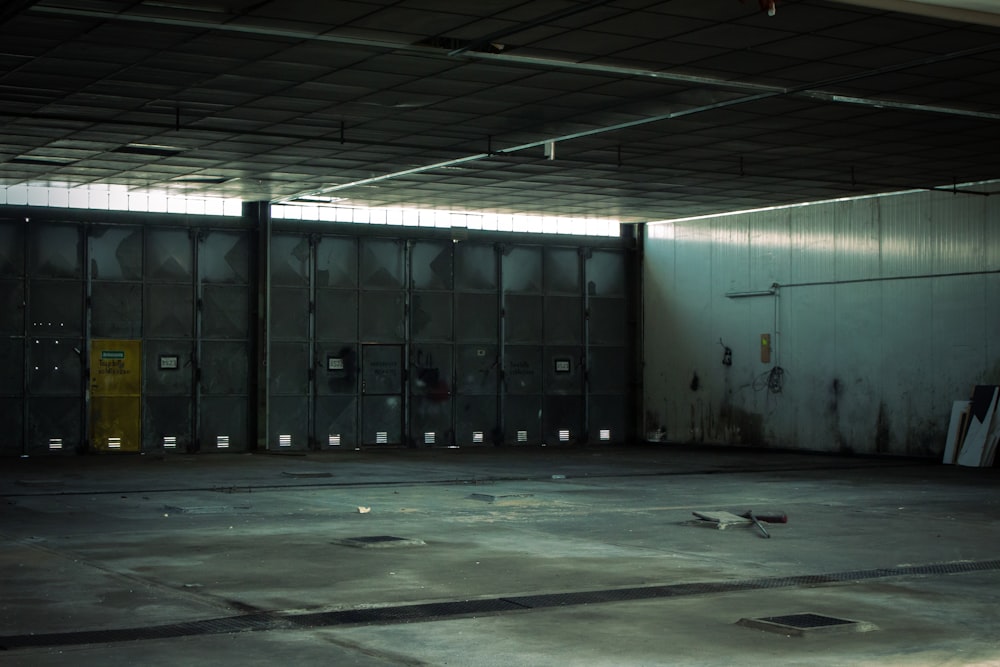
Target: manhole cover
801	625
379	542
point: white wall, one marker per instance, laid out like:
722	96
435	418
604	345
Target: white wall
872	358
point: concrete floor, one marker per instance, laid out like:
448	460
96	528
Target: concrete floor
509	557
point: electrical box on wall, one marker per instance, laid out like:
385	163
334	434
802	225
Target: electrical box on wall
765	348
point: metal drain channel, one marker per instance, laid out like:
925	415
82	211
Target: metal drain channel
463	608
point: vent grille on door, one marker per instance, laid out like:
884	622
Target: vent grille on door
170	442
335	440
222	441
114	443
382	438
55	444
477	436
429	438
605	434
285	440
522	436
564	435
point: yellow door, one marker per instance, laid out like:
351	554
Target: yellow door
115	395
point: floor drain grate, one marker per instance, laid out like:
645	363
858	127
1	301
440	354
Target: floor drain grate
379	542
801	625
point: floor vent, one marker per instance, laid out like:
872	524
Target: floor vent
801	625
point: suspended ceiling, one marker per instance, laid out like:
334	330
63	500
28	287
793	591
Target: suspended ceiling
631	109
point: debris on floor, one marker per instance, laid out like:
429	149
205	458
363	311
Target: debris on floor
723	520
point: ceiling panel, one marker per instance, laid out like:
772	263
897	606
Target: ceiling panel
657	109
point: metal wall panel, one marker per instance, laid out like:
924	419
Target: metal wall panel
523	369
607	321
289	368
55	425
476	420
522	418
11	248
563	320
431	318
475	267
607	371
116	310
960	242
289	313
169	359
290	260
12	304
522	270
115	253
223	423
336	422
288	426
337	368
562	271
607	419
225	311
879	324
382	264
55	251
382	317
167	311
476	317
55	308
55	366
606	273
382	420
431	265
224	367
908	235
167	367
563	421
431	421
166	423
477	369
169	256
382	369
524	319
563	370
336	314
11	367
224	258
337	262
12	424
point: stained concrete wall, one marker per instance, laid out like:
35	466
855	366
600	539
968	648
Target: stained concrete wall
884	311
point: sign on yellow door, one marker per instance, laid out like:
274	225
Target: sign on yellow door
116	395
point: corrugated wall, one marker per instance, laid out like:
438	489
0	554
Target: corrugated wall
886	311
